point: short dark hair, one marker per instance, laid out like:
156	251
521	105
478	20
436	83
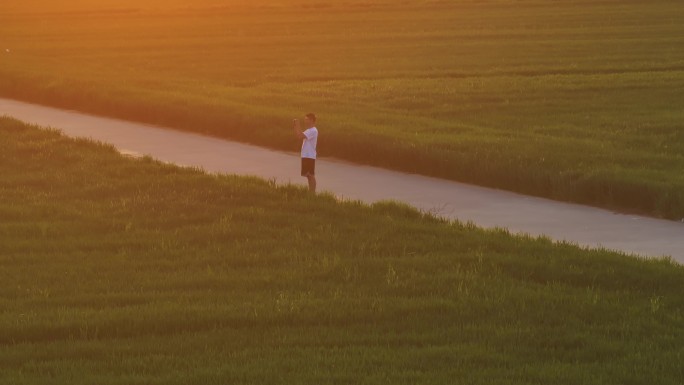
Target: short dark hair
311	116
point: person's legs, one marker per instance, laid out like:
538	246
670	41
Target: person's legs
312	182
309	171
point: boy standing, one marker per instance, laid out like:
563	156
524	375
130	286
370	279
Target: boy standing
309	139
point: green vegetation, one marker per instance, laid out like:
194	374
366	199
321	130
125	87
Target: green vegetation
116	270
574	100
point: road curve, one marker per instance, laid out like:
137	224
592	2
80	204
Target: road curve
583	225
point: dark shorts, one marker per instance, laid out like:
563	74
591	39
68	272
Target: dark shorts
308	166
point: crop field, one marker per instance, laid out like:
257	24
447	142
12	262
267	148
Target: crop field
573	100
116	270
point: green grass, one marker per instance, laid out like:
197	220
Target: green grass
116	270
573	100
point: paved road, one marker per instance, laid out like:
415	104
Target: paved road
586	226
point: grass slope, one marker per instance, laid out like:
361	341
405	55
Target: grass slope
122	271
574	100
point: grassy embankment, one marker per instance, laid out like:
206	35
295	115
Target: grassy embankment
116	270
574	100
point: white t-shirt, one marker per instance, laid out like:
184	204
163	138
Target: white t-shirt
309	143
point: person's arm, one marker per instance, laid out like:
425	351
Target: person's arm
298	129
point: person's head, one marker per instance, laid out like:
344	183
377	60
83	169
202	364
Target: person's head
310	120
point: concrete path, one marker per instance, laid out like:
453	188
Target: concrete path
587	226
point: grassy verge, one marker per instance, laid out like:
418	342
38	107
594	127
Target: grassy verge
572	100
122	271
